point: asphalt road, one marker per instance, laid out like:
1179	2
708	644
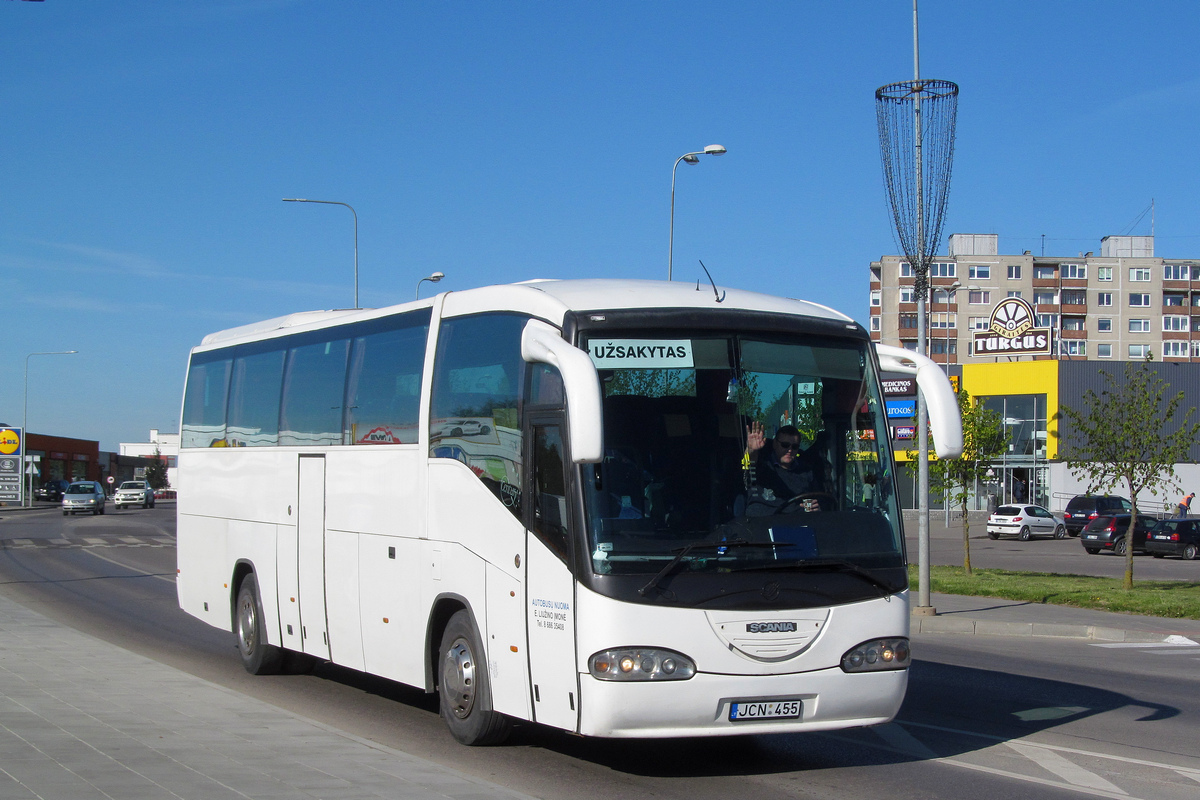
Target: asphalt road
985	717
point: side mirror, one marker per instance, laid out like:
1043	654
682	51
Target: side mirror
944	421
542	343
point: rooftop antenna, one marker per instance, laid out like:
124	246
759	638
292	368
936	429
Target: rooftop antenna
916	141
720	297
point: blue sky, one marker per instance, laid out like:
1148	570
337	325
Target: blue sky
146	146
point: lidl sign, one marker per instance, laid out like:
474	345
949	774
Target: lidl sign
1011	331
10	441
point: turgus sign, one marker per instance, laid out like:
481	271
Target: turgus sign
1011	332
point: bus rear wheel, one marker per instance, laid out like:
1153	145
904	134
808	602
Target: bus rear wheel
464	688
258	657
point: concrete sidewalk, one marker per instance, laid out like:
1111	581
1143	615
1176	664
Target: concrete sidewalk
81	719
996	617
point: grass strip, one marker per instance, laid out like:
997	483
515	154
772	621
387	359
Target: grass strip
1174	599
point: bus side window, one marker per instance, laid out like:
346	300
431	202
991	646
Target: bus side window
204	402
254	399
384	391
549	490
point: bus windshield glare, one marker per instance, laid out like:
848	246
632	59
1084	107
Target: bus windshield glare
728	452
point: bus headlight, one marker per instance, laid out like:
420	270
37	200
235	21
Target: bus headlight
641	664
878	654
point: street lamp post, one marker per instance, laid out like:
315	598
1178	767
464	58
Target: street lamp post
352	211
691	158
951	290
434	278
28	477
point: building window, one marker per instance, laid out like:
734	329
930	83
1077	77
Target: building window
908	295
979	323
1043	273
1174	299
941	296
1175	349
1139	300
906	269
1072	323
1196	349
980	271
1104	273
1045	298
942	270
1014	294
875	322
1073	270
1074	297
1196	272
1139	326
1104	351
979	297
1139	273
942	320
909	344
1104	298
876	298
1176	272
1139	351
1014	272
1104	325
1174	322
908	321
1046	320
1072	347
938	346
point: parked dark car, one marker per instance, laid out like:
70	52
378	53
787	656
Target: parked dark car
1108	533
51	490
1175	537
1084	508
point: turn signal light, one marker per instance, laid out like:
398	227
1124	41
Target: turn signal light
641	664
878	654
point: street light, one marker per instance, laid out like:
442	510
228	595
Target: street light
691	158
434	278
352	211
25	420
951	290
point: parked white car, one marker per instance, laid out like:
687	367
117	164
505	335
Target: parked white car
1024	521
134	493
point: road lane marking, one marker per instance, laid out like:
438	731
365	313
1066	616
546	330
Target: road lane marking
903	741
1050	712
1174	640
1069	771
102	557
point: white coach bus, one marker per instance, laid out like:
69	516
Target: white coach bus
540	501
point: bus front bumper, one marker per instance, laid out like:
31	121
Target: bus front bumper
701	706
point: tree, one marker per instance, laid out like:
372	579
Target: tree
156	472
954	479
1128	434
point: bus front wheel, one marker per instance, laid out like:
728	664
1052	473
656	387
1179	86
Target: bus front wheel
258	657
464	688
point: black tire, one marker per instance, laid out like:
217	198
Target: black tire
1091	551
1120	547
1190	552
1157	555
66	512
993	535
258	657
101	509
1060	532
95	511
1024	534
464	689
145	504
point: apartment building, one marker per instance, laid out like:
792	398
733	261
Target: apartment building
1123	304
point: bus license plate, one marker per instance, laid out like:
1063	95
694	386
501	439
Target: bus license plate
769	709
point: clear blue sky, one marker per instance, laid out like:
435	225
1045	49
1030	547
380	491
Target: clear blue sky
145	146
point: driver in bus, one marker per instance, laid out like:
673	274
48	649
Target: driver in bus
781	471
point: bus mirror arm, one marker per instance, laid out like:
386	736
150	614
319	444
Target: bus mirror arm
944	421
542	343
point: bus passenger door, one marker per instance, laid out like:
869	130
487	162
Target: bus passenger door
310	534
549	584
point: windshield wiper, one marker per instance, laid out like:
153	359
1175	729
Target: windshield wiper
838	565
705	545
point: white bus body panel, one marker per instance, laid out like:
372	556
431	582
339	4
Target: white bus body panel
694	707
551	624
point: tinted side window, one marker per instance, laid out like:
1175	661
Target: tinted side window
204	402
473	416
254	399
384	391
311	411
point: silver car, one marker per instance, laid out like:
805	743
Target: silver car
1024	521
84	496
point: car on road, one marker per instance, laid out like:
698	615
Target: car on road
134	493
51	490
1024	521
1084	508
1175	537
1108	533
84	496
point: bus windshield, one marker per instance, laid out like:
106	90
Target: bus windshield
728	452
